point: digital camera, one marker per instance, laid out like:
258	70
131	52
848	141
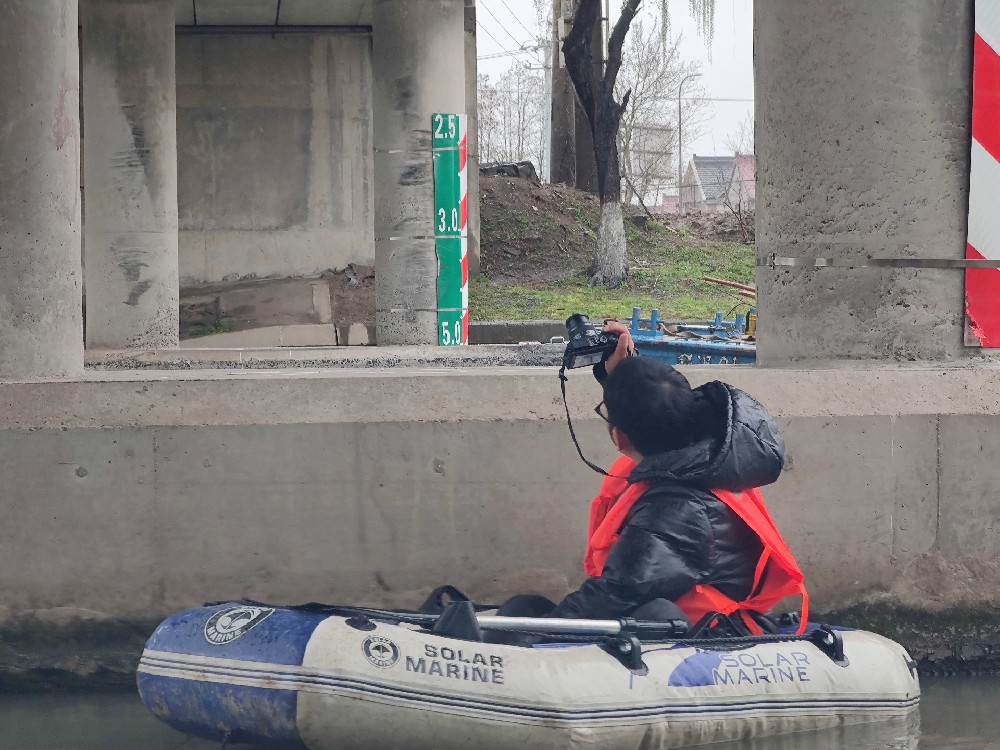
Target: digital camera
588	345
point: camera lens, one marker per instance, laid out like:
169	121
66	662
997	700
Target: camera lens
578	325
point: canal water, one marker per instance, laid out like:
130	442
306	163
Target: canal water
955	714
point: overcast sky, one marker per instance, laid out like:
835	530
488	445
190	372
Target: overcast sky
506	25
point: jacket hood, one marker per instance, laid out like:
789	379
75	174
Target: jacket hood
743	449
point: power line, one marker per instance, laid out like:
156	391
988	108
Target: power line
505	31
495	40
506	53
516	18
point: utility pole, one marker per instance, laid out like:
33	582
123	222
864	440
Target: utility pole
562	159
550	63
572	150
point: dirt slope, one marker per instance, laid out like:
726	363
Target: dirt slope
537	233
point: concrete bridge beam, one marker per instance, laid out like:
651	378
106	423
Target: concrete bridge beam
419	69
40	276
130	163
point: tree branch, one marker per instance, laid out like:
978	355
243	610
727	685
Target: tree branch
615	43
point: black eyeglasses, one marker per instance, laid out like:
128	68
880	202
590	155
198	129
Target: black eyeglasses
602	411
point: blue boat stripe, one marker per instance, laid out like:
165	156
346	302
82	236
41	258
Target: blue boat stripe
190	671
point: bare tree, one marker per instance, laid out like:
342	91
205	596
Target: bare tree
741	142
604	114
543	19
652	70
702	11
741	139
511	117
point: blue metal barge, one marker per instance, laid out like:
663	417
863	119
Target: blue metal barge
714	342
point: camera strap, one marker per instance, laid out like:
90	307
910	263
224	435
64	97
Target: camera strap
569	421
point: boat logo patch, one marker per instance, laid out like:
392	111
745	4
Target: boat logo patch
380	651
751	667
226	625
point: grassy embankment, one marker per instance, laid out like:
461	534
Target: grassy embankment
667	264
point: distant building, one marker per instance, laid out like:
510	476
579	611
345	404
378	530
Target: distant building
706	182
649	162
668	206
742	190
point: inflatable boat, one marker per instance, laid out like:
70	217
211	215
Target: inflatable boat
344	677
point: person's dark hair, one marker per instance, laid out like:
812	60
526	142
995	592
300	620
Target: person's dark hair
653	404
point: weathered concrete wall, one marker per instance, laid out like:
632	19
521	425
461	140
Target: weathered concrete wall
41	326
877	168
346	486
275	154
130	170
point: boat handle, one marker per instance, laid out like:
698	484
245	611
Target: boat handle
831	643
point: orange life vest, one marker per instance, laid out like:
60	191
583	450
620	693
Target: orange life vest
776	576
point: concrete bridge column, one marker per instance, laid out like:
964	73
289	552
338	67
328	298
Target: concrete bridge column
419	69
863	128
41	331
130	170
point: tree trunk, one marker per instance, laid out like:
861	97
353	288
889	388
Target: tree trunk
611	261
604	114
586	169
610	264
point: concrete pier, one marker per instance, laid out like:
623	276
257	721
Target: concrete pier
419	69
41	332
863	131
130	167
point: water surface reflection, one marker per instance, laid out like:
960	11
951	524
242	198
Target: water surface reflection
955	714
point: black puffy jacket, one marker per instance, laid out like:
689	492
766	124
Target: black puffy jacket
678	533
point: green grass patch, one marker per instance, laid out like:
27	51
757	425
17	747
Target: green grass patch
666	274
221	326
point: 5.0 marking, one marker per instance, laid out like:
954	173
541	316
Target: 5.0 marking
447	337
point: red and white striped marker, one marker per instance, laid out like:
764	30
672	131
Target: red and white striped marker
982	285
463	166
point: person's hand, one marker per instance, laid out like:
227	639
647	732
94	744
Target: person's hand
625	348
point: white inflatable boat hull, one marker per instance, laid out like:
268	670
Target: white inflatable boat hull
290	679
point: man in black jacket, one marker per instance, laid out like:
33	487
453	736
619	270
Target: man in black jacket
684	443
